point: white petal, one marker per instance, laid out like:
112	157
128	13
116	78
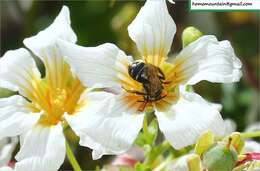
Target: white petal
57	70
18	71
253	127
208	59
43	145
230	126
191	96
187	120
251	146
104	126
153	30
60	28
7	145
37	163
15	117
6	169
180	164
44	46
7	85
97	66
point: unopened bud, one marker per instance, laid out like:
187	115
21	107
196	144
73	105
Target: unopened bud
220	157
194	163
190	34
236	141
204	142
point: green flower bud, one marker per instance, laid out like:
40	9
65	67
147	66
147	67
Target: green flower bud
204	142
220	157
194	163
189	35
237	142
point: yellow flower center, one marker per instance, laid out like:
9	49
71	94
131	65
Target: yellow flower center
55	97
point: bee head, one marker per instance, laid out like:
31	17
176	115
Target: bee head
135	69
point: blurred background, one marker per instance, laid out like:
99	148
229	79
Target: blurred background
97	22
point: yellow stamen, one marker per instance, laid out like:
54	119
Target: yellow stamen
55	97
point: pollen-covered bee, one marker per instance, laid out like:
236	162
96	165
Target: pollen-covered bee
151	77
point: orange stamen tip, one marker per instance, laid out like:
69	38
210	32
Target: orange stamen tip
229	143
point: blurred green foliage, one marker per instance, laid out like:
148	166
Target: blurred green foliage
97	22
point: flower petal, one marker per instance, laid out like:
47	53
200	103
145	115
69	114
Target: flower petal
180	164
18	71
253	127
15	116
43	147
153	30
251	146
6	169
206	59
44	46
105	125
7	85
60	28
100	66
37	163
58	72
186	120
230	126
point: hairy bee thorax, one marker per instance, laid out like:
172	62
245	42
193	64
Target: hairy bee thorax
151	77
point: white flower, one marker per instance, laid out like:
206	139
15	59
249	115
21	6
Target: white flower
181	164
251	146
7	145
253	127
182	116
36	114
230	126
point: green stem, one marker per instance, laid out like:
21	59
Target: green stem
145	124
164	164
155	152
250	134
74	163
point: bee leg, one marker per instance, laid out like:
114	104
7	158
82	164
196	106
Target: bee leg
163	96
166	82
134	91
145	103
161	76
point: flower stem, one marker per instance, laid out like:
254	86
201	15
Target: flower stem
74	163
145	124
250	134
164	163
